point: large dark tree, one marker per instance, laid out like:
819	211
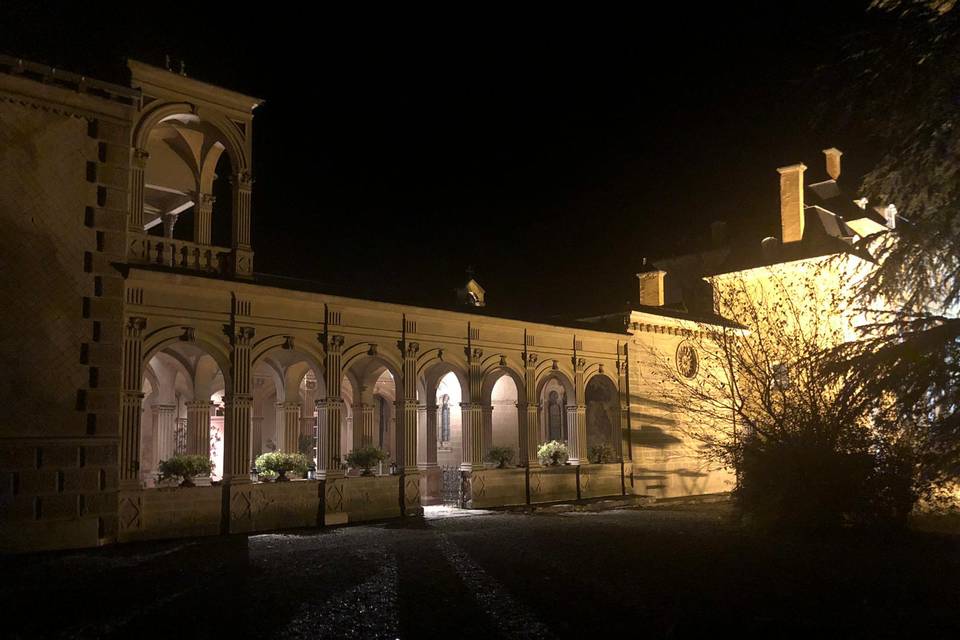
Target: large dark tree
900	82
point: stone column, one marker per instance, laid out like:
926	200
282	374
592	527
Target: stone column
471	414
433	431
330	415
169	222
202	217
238	408
198	427
577	416
471	420
137	167
240	228
577	433
131	401
487	434
288	425
431	435
164	438
406	426
528	412
256	437
363	425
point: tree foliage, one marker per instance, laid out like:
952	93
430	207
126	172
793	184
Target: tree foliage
810	445
902	79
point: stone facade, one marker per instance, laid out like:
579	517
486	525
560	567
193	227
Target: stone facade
131	337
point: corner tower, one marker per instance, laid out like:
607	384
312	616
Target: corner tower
183	132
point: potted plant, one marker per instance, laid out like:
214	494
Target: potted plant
500	455
552	453
365	458
185	467
601	453
280	463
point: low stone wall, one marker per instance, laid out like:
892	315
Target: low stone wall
552	484
498	488
365	498
601	480
175	512
264	506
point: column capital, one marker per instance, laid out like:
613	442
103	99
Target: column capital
135	326
242	180
238	400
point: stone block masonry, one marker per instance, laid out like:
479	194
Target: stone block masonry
64	167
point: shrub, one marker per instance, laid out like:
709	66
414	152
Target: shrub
552	453
802	484
185	467
365	458
601	453
501	455
306	444
280	463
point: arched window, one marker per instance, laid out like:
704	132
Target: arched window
445	419
554	417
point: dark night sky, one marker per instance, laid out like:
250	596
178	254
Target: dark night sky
551	152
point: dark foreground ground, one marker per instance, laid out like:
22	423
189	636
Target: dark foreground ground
678	572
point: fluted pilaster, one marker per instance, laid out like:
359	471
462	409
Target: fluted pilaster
238	410
329	456
577	433
131	402
363	425
137	166
164	438
472	421
288	423
202	218
198	427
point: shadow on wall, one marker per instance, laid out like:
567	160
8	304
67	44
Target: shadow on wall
655	438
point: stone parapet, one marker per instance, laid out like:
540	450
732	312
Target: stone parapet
498	488
174	512
265	506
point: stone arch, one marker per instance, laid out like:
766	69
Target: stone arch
171	335
561	376
433	374
602	401
493	375
299	352
235	146
555	392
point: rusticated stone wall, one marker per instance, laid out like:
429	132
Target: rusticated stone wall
64	160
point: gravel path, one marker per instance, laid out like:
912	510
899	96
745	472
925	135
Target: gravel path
677	572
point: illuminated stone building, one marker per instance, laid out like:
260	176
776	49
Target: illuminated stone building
137	327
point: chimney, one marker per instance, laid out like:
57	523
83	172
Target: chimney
791	202
651	287
833	162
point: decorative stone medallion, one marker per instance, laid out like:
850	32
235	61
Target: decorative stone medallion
688	363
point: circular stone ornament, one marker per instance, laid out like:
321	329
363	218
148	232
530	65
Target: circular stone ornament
688	363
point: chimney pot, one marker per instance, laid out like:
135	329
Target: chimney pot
833	162
651	287
791	202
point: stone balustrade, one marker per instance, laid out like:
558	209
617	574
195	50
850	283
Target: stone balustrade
180	254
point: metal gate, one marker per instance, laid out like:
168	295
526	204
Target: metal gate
451	490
